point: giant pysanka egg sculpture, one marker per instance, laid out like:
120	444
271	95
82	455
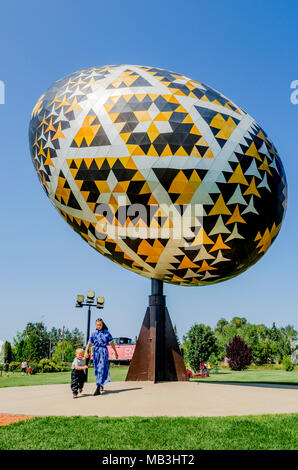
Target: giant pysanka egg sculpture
158	172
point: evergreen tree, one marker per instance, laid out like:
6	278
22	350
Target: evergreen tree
20	346
7	351
274	334
74	337
54	336
34	348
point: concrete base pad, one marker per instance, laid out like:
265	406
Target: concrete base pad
148	399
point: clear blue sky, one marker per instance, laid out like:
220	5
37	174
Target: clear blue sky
248	51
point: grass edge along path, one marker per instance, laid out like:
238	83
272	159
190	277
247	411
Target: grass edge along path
254	432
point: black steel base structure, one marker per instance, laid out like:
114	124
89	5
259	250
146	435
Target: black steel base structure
157	357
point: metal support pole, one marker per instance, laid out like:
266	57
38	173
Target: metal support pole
156	287
63	343
157	355
157	315
87	338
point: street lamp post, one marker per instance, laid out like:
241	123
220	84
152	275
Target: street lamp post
89	303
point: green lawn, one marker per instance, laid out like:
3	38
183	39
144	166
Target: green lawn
253	375
268	432
118	374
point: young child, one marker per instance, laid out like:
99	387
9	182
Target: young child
77	374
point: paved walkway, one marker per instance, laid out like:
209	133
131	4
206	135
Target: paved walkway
148	399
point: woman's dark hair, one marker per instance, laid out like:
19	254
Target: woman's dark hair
104	326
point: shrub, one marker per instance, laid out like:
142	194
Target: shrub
15	365
35	368
48	366
213	360
287	364
239	354
65	366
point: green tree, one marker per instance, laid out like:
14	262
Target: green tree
226	335
222	322
74	337
239	322
7	351
250	334
262	331
290	332
54	336
200	343
273	333
20	346
69	352
283	348
264	351
34	348
35	335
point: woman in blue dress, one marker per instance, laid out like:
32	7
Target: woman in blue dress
99	341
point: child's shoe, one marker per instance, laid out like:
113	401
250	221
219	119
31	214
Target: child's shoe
75	395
